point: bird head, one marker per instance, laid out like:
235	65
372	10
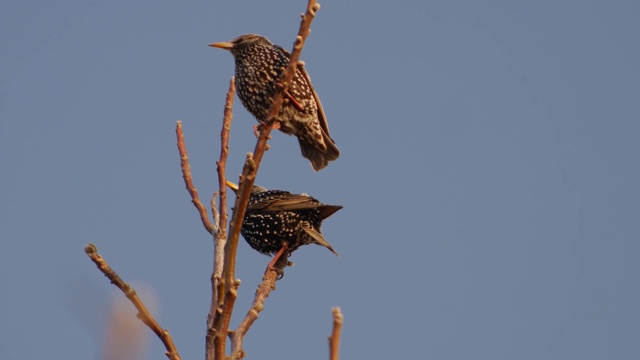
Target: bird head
241	42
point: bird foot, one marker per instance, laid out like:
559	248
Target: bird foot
257	129
280	261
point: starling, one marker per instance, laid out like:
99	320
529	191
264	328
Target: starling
274	217
259	65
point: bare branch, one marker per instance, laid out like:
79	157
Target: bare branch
222	179
334	339
143	313
239	209
216	214
188	180
264	289
213	342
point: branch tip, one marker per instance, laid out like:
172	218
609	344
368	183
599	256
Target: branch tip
188	180
334	339
90	249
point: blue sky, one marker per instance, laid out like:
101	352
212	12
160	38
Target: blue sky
488	175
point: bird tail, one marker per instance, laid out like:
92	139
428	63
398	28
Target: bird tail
319	239
328	210
319	158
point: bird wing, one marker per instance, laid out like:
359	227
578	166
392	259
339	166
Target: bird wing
321	116
285	202
319	239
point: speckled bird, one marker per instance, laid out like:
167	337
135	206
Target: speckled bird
259	65
275	216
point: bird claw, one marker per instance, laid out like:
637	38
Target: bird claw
279	273
280	261
257	129
280	265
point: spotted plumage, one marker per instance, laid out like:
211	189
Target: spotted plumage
259	65
275	216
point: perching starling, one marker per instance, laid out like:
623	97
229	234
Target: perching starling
259	65
276	216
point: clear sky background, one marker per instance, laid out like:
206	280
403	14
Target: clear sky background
489	176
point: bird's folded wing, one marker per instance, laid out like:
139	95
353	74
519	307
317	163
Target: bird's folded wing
286	202
321	117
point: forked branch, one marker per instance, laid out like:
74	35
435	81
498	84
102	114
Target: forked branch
249	172
252	163
224	283
215	341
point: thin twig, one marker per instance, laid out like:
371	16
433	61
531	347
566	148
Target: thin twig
188	180
237	336
143	313
334	339
222	178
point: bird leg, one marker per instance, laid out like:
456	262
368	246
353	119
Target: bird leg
280	261
293	100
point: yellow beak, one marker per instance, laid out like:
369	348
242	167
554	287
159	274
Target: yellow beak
232	186
223	45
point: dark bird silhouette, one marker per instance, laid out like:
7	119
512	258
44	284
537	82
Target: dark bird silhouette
259	65
275	218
